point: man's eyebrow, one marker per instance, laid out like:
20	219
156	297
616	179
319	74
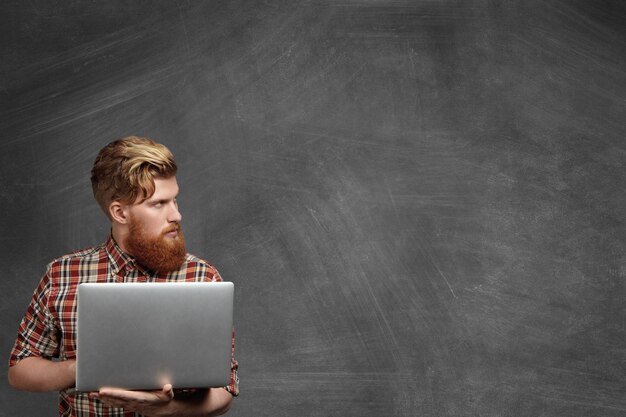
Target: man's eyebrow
153	200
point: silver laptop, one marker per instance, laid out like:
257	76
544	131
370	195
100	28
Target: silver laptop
144	335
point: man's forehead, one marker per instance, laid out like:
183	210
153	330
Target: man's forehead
164	189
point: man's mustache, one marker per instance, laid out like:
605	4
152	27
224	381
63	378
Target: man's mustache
176	227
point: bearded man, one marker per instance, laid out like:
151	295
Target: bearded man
134	182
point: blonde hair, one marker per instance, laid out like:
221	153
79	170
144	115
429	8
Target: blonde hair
125	170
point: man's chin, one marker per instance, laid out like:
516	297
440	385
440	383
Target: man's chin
163	254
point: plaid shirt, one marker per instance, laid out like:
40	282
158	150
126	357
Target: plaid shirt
48	329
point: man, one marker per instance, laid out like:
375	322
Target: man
134	182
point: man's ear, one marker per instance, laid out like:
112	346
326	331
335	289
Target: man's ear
118	212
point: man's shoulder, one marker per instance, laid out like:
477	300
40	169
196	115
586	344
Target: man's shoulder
201	268
196	261
93	253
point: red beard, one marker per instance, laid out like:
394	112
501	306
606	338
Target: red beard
162	254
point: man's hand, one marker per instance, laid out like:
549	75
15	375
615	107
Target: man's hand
150	403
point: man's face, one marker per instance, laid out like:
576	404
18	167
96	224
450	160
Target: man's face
156	238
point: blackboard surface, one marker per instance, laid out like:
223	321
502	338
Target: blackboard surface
421	203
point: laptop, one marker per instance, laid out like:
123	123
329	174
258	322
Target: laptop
144	335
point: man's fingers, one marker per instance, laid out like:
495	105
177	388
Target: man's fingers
166	394
168	391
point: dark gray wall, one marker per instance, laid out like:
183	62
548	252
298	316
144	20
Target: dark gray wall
421	203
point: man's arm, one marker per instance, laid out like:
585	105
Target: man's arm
38	374
215	402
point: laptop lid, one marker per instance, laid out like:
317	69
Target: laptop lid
144	335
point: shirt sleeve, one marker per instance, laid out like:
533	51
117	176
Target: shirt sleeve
233	385
37	334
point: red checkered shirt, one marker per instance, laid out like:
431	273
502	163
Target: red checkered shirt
48	329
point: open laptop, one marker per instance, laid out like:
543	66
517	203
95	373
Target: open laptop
144	335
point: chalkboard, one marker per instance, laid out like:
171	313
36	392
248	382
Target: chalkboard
420	202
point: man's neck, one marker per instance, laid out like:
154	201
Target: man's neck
120	234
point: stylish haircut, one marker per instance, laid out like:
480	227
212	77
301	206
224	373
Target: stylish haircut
125	170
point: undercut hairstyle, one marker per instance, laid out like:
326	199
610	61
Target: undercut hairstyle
125	170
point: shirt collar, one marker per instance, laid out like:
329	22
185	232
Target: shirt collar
121	261
118	258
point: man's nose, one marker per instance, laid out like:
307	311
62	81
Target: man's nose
174	215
